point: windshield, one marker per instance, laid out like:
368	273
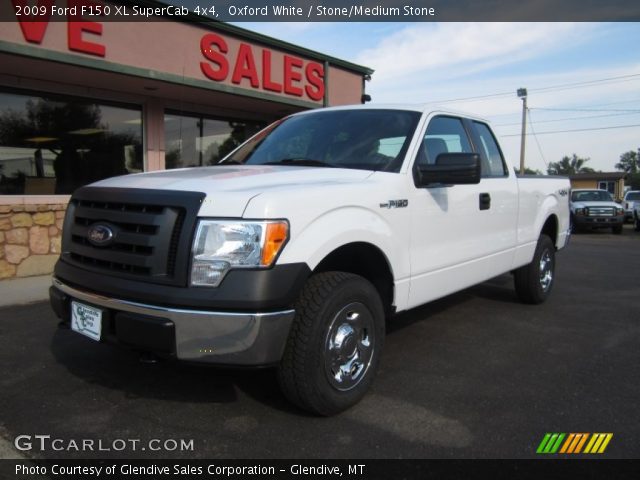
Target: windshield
633	196
361	139
591	196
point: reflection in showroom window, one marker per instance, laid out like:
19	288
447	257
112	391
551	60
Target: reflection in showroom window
193	140
53	145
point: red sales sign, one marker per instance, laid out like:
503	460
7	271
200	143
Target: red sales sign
299	78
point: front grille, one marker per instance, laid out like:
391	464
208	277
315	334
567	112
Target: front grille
601	211
152	232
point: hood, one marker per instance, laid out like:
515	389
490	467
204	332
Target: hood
229	188
594	204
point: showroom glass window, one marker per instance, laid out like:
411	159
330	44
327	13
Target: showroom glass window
196	141
53	145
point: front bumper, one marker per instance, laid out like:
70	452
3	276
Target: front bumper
598	222
223	338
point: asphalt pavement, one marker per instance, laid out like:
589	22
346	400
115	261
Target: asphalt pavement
474	375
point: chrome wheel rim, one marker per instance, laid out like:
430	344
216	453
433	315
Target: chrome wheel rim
349	346
546	270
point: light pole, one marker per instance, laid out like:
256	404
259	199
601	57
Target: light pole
522	93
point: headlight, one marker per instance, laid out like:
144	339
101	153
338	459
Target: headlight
579	211
620	210
222	245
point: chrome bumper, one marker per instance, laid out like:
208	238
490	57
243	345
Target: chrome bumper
223	338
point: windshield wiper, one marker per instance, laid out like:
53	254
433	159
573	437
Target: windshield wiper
301	162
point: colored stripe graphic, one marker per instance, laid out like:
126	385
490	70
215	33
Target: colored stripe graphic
574	443
598	443
550	443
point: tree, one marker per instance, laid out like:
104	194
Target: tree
80	158
629	162
569	166
528	171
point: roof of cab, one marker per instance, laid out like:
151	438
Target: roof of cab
428	108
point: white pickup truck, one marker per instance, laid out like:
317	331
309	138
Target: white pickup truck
296	248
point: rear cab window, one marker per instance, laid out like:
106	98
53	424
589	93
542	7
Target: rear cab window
493	164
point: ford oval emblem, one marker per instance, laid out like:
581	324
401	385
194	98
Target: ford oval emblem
100	234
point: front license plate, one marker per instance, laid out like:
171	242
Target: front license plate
86	320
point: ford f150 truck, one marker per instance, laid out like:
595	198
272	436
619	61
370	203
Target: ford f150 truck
595	209
296	248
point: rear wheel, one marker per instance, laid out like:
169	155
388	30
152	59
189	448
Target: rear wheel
534	281
334	345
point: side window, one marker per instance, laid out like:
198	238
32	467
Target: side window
444	135
494	164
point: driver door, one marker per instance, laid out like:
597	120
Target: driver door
460	234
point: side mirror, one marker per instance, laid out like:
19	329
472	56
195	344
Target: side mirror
450	169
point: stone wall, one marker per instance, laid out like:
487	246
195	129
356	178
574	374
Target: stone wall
30	237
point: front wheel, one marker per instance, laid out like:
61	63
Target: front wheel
534	281
334	345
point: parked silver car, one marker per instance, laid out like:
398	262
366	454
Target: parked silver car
631	198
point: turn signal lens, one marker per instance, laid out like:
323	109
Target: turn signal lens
275	238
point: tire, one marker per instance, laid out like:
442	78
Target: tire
617	229
575	228
534	281
637	224
334	344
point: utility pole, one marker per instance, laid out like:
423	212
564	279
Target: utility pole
522	93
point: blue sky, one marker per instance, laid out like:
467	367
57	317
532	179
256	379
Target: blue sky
433	62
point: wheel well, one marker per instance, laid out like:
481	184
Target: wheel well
550	228
366	260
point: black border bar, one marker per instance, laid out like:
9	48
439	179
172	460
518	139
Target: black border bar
337	10
296	469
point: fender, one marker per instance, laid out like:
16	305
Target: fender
528	234
548	209
312	244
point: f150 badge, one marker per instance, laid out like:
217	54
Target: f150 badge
395	204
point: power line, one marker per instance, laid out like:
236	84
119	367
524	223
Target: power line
480	97
621	78
569	118
616	103
576	130
535	137
587	110
627	102
588	83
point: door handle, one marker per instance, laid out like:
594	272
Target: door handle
485	201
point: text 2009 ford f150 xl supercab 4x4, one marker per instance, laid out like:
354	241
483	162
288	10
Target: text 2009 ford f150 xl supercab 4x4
296	248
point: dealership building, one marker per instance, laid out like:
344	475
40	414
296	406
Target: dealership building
84	99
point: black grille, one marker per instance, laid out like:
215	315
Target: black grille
152	232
